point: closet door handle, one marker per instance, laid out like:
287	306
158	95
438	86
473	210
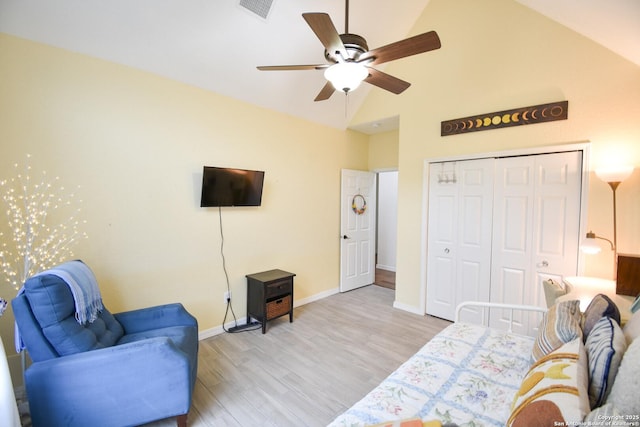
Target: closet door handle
446	250
544	263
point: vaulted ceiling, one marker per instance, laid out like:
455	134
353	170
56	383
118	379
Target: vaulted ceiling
217	44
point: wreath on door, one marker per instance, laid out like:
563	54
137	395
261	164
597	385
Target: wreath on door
354	204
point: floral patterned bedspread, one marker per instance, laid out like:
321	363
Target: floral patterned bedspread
467	375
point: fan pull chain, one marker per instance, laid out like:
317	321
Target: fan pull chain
346	104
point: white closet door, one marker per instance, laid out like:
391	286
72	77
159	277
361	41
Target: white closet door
459	240
442	241
556	221
536	228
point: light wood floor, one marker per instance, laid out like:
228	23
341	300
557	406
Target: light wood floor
385	278
307	372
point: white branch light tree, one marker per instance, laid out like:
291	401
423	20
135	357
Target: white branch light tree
33	244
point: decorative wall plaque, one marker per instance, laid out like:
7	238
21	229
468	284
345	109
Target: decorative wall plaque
501	119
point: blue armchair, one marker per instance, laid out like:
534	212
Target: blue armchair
123	369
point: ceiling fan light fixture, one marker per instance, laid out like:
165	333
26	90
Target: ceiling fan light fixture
346	76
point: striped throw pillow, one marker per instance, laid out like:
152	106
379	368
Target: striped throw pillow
600	306
605	347
560	325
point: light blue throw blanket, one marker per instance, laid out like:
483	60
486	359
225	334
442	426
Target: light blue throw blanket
84	288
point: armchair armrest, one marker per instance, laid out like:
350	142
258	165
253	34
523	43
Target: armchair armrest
146	380
160	316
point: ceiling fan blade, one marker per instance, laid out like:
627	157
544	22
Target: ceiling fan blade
386	81
403	48
326	92
292	67
324	29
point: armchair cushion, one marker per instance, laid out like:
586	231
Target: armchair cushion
149	318
52	305
181	336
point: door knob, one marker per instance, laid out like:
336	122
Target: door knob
544	263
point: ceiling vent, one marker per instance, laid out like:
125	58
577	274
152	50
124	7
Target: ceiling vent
258	7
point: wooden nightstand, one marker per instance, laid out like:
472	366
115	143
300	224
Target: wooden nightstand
269	296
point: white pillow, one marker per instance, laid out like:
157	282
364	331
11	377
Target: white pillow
552	291
625	393
632	327
602	413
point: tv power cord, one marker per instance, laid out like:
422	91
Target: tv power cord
250	325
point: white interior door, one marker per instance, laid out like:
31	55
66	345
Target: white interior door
536	228
357	229
459	239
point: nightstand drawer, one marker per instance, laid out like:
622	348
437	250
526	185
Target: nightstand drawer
278	307
279	288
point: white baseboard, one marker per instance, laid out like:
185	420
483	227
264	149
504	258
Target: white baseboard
217	330
316	297
386	267
407	307
212	332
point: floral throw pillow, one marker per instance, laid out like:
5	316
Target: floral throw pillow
554	391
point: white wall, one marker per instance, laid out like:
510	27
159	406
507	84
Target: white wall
387	220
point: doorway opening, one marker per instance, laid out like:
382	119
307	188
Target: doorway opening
386	228
385	278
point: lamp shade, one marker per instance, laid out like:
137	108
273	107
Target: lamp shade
590	246
614	173
346	76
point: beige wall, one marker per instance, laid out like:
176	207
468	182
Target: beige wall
135	143
498	55
383	151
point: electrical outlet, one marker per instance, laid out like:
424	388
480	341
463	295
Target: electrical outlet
227	296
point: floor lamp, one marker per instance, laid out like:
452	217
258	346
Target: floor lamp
612	176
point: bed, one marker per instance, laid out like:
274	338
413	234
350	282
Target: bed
466	375
581	368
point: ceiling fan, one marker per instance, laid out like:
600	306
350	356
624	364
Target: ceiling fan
349	60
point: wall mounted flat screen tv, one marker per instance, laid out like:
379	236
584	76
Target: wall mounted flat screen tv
231	187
